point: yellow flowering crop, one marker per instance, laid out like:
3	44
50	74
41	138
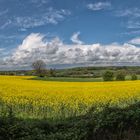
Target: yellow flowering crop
34	98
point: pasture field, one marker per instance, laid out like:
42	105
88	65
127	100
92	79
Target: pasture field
53	99
75	79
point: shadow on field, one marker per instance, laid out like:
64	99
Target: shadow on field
110	123
67	79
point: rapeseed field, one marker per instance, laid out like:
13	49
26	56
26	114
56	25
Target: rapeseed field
49	99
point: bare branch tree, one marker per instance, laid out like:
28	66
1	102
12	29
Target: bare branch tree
39	66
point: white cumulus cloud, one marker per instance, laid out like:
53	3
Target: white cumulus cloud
54	52
75	38
135	41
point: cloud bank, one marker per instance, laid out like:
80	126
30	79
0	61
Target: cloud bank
54	53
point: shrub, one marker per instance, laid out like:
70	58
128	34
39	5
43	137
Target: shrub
120	76
108	76
134	77
108	123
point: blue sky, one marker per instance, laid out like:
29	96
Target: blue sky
74	23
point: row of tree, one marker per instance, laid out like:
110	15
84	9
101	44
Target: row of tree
120	76
39	67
